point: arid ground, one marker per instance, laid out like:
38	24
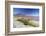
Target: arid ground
25	21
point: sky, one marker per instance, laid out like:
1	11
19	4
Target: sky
26	11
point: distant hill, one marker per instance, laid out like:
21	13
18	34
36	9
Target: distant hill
30	17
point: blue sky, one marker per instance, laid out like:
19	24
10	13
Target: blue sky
26	11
